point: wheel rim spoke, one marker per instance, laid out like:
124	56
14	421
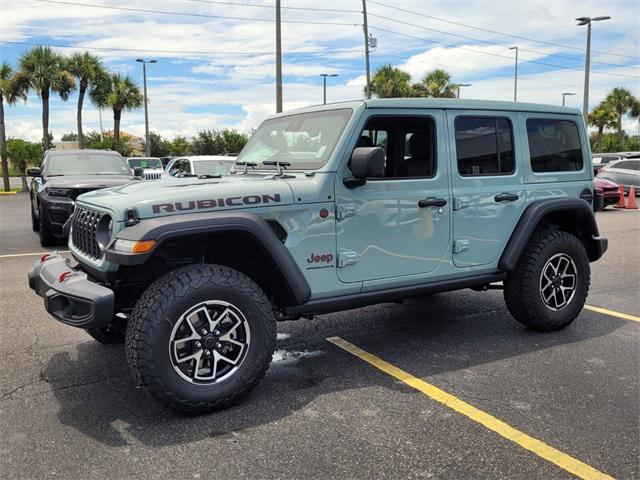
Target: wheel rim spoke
558	281
199	352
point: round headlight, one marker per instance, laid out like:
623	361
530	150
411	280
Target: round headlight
104	231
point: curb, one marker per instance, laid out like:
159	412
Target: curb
8	193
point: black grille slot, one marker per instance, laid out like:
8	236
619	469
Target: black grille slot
83	235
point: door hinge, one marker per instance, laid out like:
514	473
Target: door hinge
460	202
460	246
345	210
347	258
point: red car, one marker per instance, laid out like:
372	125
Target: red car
607	191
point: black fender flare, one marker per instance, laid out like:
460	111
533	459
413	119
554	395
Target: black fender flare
582	217
168	227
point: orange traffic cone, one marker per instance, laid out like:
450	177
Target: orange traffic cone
620	203
631	203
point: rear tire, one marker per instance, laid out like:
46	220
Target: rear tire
201	338
549	286
46	237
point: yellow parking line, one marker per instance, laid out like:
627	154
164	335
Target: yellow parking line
11	255
568	463
613	313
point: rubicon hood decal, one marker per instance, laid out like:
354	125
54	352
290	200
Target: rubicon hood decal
208	203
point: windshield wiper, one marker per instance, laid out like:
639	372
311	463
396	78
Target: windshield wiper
279	165
246	166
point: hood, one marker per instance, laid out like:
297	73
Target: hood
191	195
87	181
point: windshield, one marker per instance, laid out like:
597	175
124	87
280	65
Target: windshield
305	140
86	164
145	163
212	167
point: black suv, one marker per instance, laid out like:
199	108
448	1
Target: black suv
62	176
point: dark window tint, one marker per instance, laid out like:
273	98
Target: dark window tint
554	145
484	146
628	165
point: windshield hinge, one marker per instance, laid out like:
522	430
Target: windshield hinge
345	210
347	258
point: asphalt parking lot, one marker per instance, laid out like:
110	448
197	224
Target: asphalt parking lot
68	408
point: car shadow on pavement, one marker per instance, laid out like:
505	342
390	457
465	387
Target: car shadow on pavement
98	398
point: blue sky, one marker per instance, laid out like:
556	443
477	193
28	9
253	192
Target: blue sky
216	64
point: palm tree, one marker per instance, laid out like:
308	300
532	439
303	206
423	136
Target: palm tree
602	117
88	70
436	84
621	101
389	81
10	93
44	70
120	93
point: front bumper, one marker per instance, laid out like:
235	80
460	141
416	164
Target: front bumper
69	295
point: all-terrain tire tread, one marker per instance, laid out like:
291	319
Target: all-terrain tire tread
521	292
145	318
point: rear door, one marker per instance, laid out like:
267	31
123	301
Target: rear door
487	182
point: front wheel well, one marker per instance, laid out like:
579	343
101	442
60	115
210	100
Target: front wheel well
240	251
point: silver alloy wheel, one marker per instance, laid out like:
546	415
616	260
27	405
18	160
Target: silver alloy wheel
209	342
558	281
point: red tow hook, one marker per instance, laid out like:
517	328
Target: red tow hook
64	275
44	257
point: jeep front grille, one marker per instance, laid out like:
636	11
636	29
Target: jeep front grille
152	176
83	232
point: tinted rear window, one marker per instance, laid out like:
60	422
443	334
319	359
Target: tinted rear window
484	146
554	145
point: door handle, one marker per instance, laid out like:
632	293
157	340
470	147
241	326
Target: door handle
432	202
506	197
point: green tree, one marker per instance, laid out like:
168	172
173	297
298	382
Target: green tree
69	137
159	147
120	93
390	82
88	69
602	117
622	102
10	93
44	71
206	143
436	84
180	146
232	141
23	153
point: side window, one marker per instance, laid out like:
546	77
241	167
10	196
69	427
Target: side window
409	145
484	146
554	145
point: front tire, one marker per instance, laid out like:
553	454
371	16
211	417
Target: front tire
200	338
35	223
549	286
47	239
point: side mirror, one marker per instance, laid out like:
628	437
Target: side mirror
138	171
366	162
34	172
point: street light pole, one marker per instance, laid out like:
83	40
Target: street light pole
324	85
278	59
146	110
515	80
564	95
461	85
365	27
587	62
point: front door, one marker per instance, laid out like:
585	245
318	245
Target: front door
397	225
488	185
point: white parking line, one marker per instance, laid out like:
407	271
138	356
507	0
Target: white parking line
12	255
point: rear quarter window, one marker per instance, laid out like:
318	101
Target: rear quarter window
554	145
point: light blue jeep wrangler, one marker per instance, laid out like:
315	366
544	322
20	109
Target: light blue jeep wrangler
330	208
